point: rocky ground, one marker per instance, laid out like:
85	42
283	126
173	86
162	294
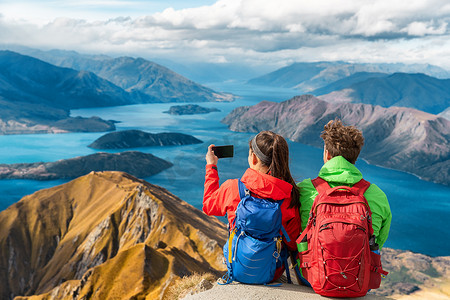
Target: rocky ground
411	276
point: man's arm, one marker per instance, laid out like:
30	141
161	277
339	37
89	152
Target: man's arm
381	213
307	195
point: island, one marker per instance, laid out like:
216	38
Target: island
136	138
189	109
133	162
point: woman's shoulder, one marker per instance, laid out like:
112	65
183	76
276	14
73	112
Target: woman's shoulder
230	184
231	181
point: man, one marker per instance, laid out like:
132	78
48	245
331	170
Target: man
342	145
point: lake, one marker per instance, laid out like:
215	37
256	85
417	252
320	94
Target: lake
419	207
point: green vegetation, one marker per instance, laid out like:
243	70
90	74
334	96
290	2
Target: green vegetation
401	275
432	272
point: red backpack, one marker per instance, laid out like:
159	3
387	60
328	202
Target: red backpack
339	261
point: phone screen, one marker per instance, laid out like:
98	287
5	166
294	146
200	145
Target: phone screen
223	151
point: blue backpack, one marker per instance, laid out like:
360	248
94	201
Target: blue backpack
254	248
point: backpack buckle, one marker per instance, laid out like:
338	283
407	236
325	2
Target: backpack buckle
278	244
276	255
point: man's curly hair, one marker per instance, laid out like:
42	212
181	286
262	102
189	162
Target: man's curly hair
341	140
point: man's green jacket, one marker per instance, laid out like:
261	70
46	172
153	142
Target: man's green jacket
338	171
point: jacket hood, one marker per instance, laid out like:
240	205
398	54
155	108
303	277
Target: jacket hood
266	186
340	170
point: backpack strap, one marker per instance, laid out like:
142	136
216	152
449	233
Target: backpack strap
361	186
304	232
286	235
320	185
284	259
243	191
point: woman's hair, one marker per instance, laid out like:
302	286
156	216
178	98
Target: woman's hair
340	140
276	153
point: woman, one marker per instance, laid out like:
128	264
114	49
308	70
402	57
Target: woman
267	177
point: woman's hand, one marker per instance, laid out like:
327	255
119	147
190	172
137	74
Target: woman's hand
210	157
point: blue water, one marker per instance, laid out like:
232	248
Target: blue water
419	208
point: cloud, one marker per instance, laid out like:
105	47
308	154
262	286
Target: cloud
425	28
263	31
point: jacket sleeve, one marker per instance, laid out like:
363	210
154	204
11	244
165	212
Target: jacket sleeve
381	213
307	195
217	200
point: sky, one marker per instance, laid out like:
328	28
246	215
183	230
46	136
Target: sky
270	33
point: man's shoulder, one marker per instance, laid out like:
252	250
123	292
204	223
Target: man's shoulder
305	183
307	191
374	189
377	201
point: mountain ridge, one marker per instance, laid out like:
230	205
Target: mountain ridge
347	81
309	76
36	97
35	81
142	78
417	91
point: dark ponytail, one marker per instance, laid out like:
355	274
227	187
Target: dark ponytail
275	147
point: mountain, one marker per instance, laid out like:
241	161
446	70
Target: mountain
105	235
137	138
145	80
189	109
35	94
347	81
201	72
292	75
133	162
445	114
400	89
400	138
307	77
36	97
29	80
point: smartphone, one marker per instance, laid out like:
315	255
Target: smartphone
223	151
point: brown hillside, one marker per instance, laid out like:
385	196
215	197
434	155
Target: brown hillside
103	235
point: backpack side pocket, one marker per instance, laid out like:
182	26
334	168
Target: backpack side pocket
376	270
